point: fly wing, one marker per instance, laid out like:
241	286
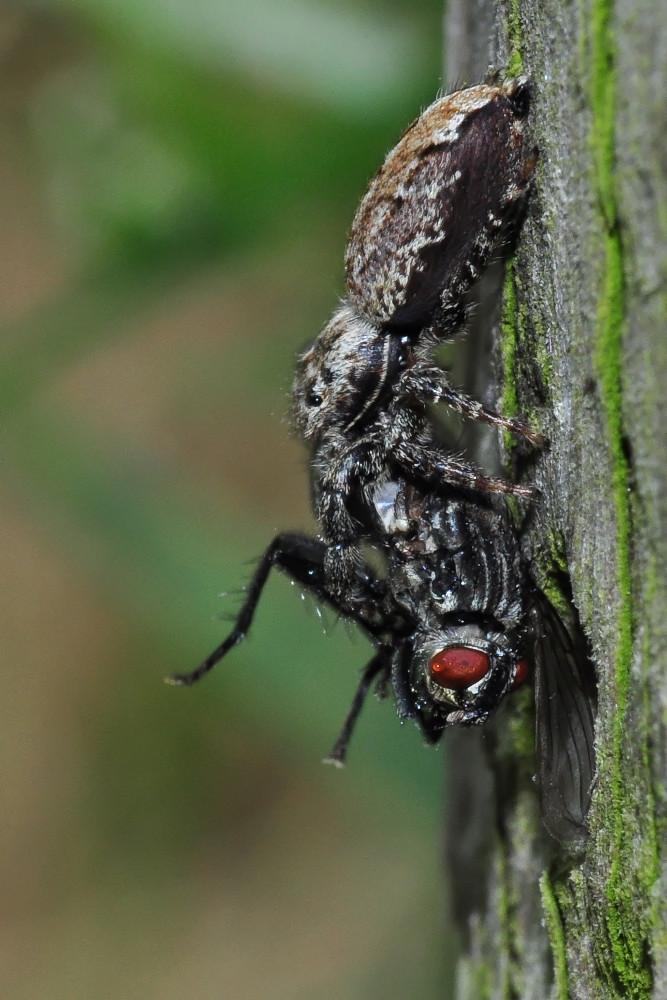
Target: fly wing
564	698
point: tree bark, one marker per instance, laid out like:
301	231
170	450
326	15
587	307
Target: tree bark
582	354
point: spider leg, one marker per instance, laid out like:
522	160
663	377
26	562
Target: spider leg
435	467
469	407
345	480
431	385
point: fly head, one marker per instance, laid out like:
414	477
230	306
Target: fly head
460	672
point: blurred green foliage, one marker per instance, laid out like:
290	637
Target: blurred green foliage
178	179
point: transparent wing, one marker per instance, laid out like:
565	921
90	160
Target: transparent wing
564	703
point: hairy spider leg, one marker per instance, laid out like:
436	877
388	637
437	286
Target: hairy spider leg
434	466
432	384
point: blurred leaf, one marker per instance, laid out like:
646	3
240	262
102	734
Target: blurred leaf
174	141
116	520
350	59
112	181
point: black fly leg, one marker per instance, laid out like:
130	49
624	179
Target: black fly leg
435	467
431	385
377	665
400	680
300	557
303	559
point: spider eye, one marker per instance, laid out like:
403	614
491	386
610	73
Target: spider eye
313	399
459	667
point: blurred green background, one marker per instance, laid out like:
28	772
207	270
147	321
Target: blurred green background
177	180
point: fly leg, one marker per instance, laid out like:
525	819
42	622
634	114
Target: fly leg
376	666
302	559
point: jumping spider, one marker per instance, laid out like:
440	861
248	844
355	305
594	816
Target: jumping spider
444	202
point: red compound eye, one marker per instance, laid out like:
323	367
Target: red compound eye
459	668
522	672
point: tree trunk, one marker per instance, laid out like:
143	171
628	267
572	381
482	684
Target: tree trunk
582	353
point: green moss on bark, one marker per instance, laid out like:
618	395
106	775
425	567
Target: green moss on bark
630	878
556	938
508	345
515	66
